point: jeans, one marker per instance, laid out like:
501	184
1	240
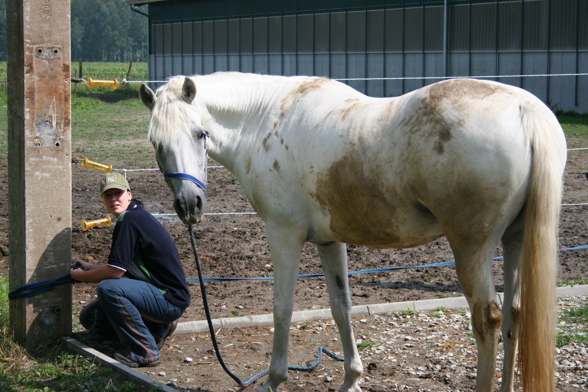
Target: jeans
136	311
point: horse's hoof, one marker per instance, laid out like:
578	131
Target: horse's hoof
352	388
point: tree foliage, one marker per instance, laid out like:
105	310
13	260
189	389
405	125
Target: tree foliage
3	50
107	30
101	30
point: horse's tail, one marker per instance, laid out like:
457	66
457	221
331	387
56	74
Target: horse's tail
538	270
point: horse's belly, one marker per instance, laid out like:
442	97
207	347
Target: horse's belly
383	228
387	238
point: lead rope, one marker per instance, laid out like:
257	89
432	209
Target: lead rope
241	383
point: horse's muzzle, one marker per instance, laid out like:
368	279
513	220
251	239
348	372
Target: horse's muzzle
190	211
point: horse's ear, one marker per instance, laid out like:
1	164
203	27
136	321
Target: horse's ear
189	90
147	96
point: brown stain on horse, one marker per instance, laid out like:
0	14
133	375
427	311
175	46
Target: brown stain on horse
364	209
265	143
444	135
455	95
427	123
248	165
347	193
459	93
304	88
430	116
351	105
486	318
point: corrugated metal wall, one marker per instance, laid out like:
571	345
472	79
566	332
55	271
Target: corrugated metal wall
393	46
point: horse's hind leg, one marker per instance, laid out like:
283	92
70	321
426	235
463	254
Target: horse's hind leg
474	271
512	246
334	261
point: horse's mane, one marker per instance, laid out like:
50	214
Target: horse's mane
227	92
169	105
219	91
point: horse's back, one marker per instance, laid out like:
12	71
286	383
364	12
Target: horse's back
446	157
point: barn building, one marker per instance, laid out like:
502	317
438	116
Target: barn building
379	47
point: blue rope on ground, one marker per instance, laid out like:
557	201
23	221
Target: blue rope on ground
319	357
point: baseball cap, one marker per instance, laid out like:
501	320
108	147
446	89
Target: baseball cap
113	180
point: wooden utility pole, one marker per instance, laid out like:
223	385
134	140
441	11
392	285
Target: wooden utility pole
39	164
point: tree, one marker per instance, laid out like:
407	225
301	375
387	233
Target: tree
3	49
101	30
107	30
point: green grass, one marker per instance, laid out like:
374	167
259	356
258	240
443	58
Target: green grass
105	124
574	124
572	282
569	318
576	316
50	367
109	71
407	312
369	345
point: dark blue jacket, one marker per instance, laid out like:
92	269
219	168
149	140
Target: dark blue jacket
143	248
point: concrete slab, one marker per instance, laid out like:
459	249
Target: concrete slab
571	291
435	304
132	374
391	307
247	321
198	325
360	310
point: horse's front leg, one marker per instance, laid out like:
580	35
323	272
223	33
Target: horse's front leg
334	261
285	248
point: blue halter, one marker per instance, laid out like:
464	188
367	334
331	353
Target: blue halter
184	176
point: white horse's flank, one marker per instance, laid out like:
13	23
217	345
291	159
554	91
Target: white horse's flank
476	161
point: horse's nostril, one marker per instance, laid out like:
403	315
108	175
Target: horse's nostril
199	204
179	208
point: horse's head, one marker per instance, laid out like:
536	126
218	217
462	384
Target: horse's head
177	133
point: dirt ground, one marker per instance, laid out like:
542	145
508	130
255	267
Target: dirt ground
234	246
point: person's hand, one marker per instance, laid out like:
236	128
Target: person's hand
83	265
78	267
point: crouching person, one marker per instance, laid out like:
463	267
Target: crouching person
143	309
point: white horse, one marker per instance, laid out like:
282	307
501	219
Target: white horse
478	162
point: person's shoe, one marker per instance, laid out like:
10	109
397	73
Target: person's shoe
160	341
132	364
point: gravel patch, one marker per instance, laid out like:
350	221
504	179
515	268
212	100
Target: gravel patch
401	351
